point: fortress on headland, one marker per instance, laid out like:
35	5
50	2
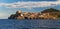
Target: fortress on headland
35	15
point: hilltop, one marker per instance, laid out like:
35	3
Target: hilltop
50	10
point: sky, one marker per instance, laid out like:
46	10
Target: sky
8	7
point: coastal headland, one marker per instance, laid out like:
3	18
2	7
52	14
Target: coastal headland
50	13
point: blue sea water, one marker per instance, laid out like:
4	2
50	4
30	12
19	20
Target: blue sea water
29	24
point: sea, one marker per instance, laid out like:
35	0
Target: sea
29	24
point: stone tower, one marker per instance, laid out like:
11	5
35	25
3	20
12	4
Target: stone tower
18	12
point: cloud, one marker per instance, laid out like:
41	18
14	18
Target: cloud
30	4
58	0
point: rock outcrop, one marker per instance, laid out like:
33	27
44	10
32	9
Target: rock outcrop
24	15
18	15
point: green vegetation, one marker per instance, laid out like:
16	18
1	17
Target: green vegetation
53	12
50	10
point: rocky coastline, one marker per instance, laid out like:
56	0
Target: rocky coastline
34	15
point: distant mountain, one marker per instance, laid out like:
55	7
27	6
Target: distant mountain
50	10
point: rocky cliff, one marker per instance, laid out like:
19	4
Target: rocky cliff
26	15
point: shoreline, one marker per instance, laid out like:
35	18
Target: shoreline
46	14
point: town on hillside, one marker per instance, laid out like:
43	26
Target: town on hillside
50	13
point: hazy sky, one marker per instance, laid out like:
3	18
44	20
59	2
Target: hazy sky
8	7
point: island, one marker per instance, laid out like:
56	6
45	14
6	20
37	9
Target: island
50	13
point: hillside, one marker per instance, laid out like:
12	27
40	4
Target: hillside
50	10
